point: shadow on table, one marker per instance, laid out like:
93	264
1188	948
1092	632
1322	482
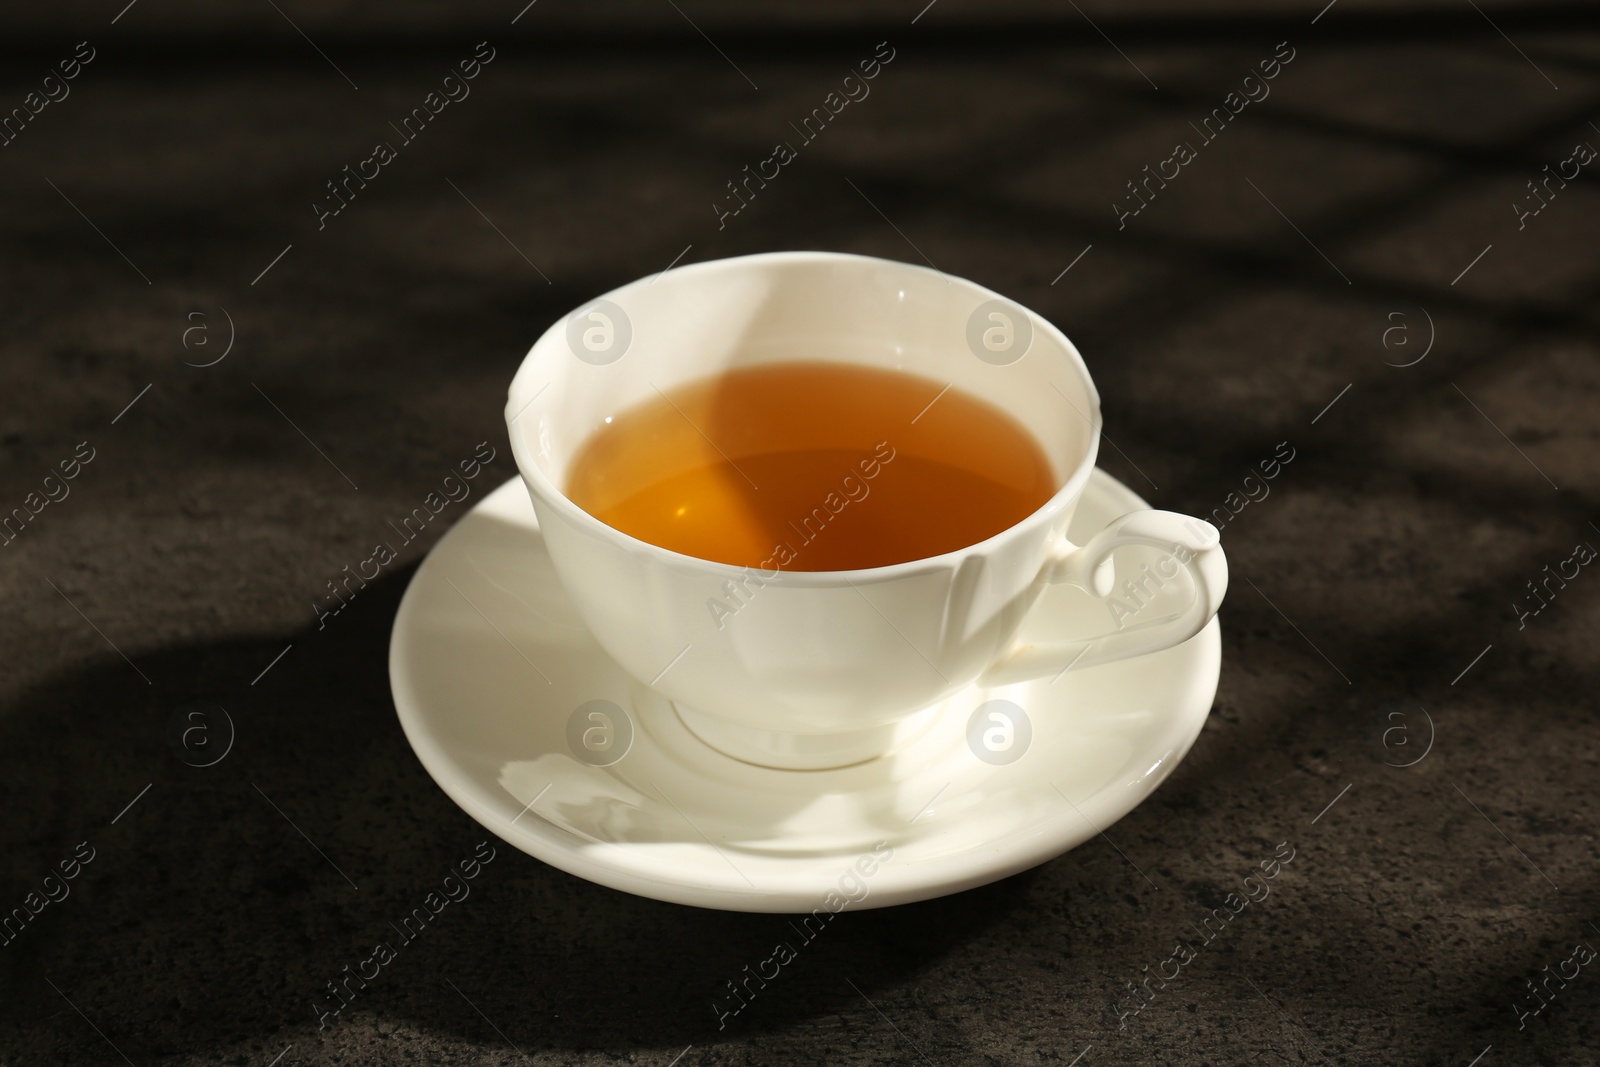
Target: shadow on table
221	901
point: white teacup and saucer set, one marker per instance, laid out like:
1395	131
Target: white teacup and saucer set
891	734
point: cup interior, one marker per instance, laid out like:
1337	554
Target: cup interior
698	321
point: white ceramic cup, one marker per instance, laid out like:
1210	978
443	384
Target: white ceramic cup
828	668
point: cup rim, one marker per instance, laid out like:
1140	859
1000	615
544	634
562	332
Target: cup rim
522	393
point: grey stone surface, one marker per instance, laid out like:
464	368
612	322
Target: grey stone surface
1377	579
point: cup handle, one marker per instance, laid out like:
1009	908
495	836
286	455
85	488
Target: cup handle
1193	545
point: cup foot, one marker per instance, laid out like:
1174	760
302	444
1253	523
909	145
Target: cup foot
804	752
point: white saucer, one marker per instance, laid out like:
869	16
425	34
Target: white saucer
489	667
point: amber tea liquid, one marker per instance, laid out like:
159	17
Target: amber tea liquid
811	467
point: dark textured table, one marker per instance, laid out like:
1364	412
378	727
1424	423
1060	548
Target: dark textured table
1349	258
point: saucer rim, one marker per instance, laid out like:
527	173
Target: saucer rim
615	865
